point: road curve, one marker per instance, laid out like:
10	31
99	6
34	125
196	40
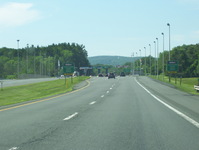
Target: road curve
110	114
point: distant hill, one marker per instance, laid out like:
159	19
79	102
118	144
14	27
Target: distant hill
111	60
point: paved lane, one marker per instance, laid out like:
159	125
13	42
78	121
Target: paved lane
182	101
7	83
109	114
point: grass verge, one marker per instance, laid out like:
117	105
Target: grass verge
184	84
18	94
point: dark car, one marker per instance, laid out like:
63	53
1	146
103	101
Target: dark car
122	74
111	75
100	75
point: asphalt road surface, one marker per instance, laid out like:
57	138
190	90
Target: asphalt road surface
7	83
126	113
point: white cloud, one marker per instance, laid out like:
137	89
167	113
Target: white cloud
16	14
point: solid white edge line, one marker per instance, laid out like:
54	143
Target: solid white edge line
192	121
71	116
92	102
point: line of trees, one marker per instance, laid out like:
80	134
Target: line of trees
186	55
41	61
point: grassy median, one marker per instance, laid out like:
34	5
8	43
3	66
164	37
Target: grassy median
18	94
184	84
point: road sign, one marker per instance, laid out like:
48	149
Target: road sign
172	66
127	70
68	69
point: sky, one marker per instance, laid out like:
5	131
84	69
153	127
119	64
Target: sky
104	27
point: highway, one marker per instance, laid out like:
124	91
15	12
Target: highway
126	113
7	83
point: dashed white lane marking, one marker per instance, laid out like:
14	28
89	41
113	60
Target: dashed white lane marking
111	88
107	92
13	148
192	121
102	96
92	102
71	116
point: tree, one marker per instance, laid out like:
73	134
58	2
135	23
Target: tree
41	60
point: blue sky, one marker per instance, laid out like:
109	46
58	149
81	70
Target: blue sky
105	27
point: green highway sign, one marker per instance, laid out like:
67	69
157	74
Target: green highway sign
172	66
127	70
68	69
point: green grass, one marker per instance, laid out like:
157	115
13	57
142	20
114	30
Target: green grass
186	85
18	94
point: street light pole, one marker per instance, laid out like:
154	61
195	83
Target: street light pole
33	48
27	58
150	58
18	59
140	61
155	59
157	55
133	64
163	57
145	62
40	62
169	41
136	65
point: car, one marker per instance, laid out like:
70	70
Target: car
111	75
100	75
122	74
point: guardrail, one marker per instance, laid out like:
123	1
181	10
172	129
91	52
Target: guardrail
196	87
